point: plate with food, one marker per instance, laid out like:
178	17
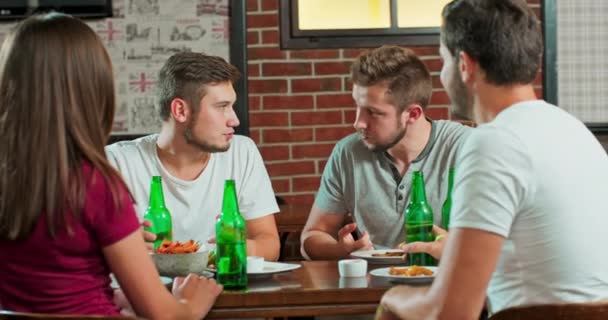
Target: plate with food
384	256
178	259
269	269
411	274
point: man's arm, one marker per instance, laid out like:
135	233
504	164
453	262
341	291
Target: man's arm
324	238
263	238
459	290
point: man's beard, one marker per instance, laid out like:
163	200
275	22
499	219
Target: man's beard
385	146
202	145
462	99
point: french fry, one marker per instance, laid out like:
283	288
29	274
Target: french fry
176	247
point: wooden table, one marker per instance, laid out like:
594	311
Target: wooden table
314	289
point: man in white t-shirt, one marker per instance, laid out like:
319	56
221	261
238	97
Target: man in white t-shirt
529	211
196	151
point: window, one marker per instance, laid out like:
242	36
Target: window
359	23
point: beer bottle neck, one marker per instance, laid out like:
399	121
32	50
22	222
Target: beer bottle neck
418	193
230	204
157	199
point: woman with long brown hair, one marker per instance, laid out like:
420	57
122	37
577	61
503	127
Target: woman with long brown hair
66	217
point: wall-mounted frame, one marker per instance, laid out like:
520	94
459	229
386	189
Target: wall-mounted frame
576	59
294	37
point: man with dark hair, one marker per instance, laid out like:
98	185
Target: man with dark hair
196	151
369	173
529	209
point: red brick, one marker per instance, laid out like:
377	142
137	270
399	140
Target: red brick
426	51
440	98
349	116
303	199
271	153
306	183
270	36
252	5
281	185
348	84
268	119
434	65
254	102
324	68
254	134
288	102
270	5
317	150
316	118
438	113
253	37
287	135
335	101
286	69
352	53
437	82
333	134
290	168
265	53
321	166
316	84
267	86
315	54
253	70
265	20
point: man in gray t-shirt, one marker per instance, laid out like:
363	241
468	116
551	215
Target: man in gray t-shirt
369	173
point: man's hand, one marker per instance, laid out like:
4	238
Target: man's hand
198	292
149	237
345	238
434	248
383	314
123	303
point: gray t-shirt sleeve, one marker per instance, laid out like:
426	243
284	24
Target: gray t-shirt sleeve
492	181
330	197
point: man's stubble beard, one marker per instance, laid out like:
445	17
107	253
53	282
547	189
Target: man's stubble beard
383	147
202	145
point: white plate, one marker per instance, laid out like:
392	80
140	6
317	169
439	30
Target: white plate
368	255
403	279
270	268
114	284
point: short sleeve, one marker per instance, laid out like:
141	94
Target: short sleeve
108	223
330	197
492	181
256	197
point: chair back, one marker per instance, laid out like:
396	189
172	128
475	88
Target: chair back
587	311
10	315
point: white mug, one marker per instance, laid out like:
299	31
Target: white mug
352	267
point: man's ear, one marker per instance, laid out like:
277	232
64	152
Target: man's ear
180	110
467	67
412	113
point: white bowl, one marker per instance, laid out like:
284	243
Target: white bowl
181	264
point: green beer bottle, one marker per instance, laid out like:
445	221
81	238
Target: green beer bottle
158	214
231	237
447	204
419	222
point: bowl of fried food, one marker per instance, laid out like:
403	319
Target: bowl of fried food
178	259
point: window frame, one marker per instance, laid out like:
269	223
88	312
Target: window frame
293	38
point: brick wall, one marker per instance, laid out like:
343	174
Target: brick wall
300	104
